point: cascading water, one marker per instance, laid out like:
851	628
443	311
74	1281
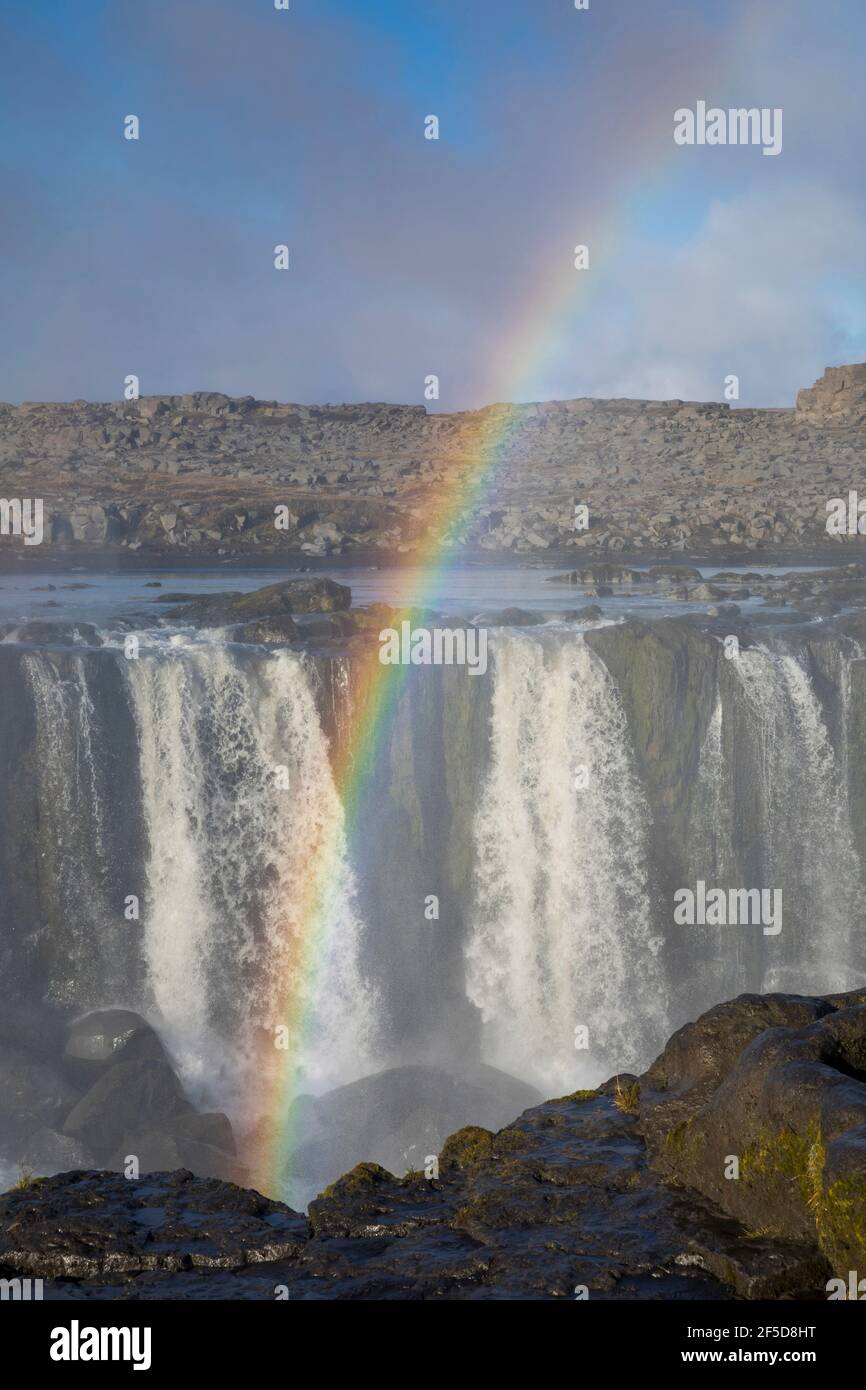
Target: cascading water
77	791
561	934
198	778
804	842
238	798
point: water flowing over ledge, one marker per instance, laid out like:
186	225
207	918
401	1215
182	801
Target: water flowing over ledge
552	808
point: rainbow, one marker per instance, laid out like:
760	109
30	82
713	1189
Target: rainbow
378	688
545	325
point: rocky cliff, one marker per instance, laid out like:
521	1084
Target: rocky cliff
203	474
734	1168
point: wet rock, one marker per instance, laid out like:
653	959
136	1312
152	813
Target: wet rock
509	617
47	1151
273	601
599	574
33	1093
679	573
203	1143
129	1097
590	614
275	631
400	1116
702	592
777	1083
578	1191
113	1225
99	1040
755	1266
327	627
47	633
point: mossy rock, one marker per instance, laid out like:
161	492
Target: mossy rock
789	1156
576	1098
364	1177
841	1224
467	1147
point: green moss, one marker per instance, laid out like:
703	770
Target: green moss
576	1096
626	1097
789	1156
363	1177
26	1181
684	1146
468	1146
675	1139
840	1220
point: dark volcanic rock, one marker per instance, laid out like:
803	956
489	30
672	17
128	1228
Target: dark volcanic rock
49	1151
400	1116
595	575
203	1143
33	1093
761	1106
618	1193
52	633
98	1040
130	1098
273	601
275	631
80	1225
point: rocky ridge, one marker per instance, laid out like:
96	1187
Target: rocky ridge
205	474
624	1192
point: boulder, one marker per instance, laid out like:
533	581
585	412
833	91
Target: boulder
839	396
99	1040
271	632
49	633
274	600
111	1226
203	1143
595	575
399	1116
621	1190
33	1093
130	1098
760	1105
47	1151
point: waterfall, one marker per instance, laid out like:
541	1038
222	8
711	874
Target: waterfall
804	842
199	778
77	842
561	934
237	792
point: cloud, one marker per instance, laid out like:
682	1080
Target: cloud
754	293
411	256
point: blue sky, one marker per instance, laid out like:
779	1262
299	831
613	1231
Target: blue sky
411	257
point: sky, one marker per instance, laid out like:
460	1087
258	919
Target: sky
411	257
